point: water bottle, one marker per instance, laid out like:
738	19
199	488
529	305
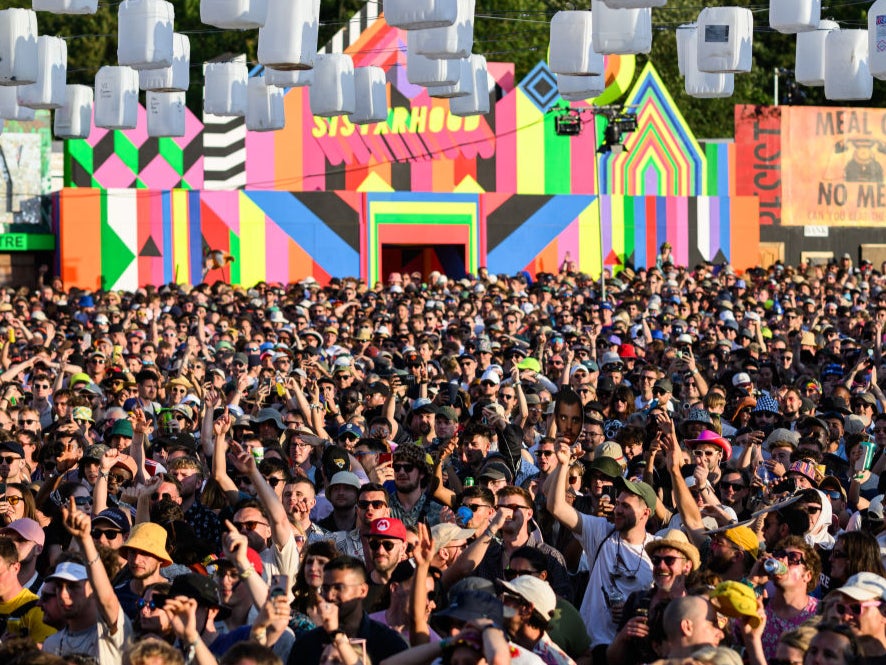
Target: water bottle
463	516
764	474
469	482
775	567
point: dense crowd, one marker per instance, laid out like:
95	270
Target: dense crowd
674	463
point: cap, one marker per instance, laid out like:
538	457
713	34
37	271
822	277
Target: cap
864	586
529	363
201	588
639	488
122	428
27	529
741	379
744	537
70	572
349	428
346	478
445	532
115	517
535	591
605	466
471	605
12	447
388	527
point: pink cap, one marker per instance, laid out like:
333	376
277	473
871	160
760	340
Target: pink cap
27	529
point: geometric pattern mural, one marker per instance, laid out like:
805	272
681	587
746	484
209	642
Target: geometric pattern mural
150	237
117	159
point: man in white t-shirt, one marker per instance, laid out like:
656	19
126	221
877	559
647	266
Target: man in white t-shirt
616	551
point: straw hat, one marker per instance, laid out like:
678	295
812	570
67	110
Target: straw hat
676	540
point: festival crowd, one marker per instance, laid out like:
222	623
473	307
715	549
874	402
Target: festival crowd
674	464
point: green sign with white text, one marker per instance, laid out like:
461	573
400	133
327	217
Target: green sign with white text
27	242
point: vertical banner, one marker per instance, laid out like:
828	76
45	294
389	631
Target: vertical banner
833	166
758	152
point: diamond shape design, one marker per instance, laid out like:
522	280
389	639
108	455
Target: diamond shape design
160	175
540	87
113	173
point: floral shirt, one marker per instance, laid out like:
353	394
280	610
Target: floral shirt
776	626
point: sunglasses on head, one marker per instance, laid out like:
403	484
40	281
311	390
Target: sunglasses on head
375	545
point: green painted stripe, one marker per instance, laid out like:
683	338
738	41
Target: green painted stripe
170	151
393	218
628	227
234	240
126	151
558	159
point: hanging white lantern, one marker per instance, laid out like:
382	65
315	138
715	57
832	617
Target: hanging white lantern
266	111
10	109
579	88
421	70
144	34
65	6
635	4
18	47
809	64
234	14
371	96
116	98
877	39
74	119
49	91
333	92
454	41
166	113
702	85
572	45
477	103
847	75
289	37
176	77
621	31
725	39
420	14
794	16
294	78
224	93
461	88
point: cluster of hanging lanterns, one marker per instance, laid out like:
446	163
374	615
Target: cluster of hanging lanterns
153	58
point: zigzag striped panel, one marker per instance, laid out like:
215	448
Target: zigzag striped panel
224	147
355	27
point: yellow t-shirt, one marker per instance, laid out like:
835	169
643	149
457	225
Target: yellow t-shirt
30	624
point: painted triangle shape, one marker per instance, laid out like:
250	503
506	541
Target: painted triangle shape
612	259
719	258
150	249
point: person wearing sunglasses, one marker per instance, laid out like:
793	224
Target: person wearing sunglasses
674	559
860	606
410	502
530	603
791	603
12	463
387	542
151	620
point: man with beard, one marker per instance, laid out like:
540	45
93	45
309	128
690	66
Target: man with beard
410	501
616	552
20	615
145	552
568	416
342	494
29	539
299	499
387	548
342	617
264	521
674	558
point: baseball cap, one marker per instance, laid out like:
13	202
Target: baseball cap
639	488
115	517
388	527
70	572
346	478
27	529
864	586
535	591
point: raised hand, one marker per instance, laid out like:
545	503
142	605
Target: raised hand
141	424
234	546
182	613
424	551
78	523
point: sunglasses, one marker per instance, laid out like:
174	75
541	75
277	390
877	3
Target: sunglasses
83	501
793	558
273	482
704	453
365	504
404	468
250	525
855	608
156	496
109	534
734	486
375	545
141	603
833	495
11	500
511	573
667	559
8	460
118	478
474	507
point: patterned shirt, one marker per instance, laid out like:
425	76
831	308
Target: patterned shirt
425	509
205	523
776	626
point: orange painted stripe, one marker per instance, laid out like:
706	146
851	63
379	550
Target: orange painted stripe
80	240
745	235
